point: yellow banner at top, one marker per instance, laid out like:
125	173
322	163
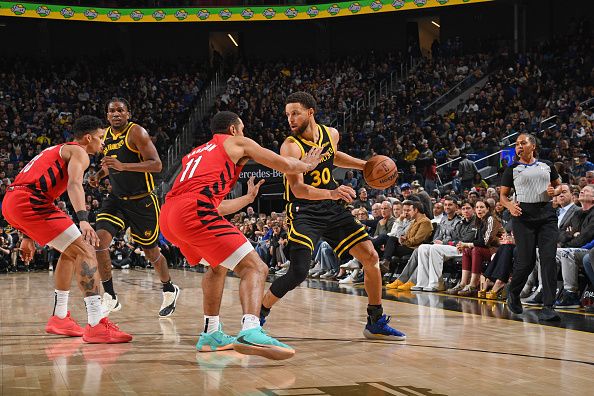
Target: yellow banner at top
217	14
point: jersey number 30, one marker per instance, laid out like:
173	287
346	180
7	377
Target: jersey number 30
323	178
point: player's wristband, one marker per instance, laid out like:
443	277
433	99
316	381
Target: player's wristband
82	215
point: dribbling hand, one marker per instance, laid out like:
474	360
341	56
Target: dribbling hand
313	157
346	193
89	234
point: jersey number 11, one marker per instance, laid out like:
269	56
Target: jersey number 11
193	163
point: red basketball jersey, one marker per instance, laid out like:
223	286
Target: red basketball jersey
46	174
208	171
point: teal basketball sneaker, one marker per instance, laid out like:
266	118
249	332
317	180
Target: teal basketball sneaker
217	341
256	342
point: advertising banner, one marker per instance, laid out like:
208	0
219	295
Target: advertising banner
217	14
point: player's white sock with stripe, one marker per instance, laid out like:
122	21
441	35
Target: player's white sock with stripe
211	324
94	314
249	322
61	303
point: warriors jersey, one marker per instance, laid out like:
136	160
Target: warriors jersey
207	171
46	175
320	177
125	183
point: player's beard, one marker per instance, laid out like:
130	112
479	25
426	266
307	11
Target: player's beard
300	129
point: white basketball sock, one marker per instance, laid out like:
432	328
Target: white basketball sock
249	322
61	303
94	314
211	324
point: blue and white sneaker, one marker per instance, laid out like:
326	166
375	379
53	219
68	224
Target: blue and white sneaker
217	341
256	342
380	330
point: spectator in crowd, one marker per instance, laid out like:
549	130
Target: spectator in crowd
438	214
466	171
498	271
362	200
572	249
350	180
477	252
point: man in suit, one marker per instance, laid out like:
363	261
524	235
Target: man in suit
566	209
572	248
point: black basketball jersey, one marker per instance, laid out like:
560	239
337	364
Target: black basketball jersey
320	177
125	183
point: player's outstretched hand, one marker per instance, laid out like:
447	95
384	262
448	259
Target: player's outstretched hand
253	189
313	157
27	250
346	193
93	181
89	234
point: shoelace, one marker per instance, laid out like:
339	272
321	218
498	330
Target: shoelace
111	325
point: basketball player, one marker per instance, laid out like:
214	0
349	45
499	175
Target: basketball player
129	159
315	209
192	220
29	207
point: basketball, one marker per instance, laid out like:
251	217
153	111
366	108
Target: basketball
380	172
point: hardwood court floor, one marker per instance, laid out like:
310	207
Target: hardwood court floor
447	352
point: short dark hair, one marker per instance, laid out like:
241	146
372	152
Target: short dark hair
303	98
117	99
466	201
221	121
86	124
415	204
450	198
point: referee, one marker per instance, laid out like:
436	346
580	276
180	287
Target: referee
534	223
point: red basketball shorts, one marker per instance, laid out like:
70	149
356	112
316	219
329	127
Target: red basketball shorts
202	235
41	221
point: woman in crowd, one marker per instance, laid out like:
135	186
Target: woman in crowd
477	252
499	270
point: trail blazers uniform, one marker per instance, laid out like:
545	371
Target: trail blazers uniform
190	219
132	202
29	201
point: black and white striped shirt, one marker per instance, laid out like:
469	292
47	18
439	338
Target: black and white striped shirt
530	181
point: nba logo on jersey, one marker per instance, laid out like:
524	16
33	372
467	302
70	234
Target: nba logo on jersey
296	208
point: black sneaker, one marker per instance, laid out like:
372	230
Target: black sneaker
548	314
568	300
535	300
513	303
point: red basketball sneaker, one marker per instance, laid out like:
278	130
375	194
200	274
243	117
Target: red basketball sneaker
105	332
66	326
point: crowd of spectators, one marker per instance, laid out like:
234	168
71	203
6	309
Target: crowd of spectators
547	89
39	102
